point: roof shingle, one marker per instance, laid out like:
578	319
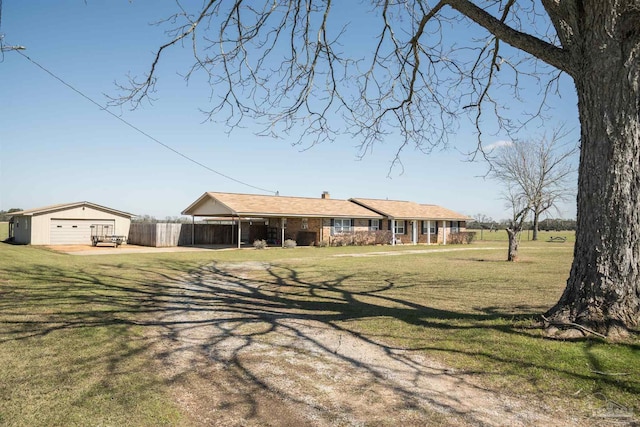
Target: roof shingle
233	204
62	206
401	209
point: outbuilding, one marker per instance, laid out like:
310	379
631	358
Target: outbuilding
67	224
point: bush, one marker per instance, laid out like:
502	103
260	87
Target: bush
362	238
382	237
461	237
344	239
322	244
471	236
260	244
290	243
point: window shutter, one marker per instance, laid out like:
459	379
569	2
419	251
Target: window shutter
370	224
353	222
406	227
333	222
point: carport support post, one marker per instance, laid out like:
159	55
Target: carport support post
428	232
393	232
239	231
283	222
193	230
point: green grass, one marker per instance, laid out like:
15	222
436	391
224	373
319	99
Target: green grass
75	345
4	231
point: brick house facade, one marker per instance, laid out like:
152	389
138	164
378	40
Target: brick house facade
314	221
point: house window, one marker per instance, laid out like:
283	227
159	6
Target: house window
305	224
341	225
454	227
374	225
399	227
429	227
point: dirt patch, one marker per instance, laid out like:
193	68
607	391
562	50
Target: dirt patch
236	355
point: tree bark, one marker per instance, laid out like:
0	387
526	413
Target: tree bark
536	219
512	255
603	290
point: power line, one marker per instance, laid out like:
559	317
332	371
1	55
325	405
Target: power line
138	129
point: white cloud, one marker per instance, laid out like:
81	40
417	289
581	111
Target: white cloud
497	144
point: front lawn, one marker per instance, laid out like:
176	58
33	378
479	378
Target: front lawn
75	341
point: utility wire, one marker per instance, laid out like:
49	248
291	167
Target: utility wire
138	129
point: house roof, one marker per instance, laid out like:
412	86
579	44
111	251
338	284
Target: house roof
232	204
438	212
65	206
400	209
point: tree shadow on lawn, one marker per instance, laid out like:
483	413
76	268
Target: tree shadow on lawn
213	322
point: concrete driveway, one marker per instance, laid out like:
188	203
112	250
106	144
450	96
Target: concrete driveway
132	249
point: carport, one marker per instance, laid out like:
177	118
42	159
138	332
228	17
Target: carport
237	207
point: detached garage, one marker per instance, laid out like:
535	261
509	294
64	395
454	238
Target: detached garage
67	224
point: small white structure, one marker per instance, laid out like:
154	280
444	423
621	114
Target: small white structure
66	224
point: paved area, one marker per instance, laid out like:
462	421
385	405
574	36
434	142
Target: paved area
132	249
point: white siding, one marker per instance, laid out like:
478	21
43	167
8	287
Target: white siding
22	229
41	224
76	231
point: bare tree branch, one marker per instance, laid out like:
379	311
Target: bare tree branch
280	63
545	51
538	171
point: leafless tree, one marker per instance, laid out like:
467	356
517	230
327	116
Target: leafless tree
538	170
295	66
520	207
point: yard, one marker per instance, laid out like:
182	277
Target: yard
408	335
4	231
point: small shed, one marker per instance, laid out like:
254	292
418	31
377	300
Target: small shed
66	224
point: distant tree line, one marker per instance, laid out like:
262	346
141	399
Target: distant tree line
149	219
6	215
482	222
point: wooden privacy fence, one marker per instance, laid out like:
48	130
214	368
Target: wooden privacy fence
165	234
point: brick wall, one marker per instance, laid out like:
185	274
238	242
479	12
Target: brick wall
320	230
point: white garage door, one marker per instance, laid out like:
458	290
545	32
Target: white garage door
77	231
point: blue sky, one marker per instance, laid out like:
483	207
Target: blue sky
56	147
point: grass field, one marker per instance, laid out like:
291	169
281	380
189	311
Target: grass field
4	231
74	331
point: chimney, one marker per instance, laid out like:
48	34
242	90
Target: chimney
325	195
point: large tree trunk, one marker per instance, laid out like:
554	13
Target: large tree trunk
603	290
536	219
512	255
